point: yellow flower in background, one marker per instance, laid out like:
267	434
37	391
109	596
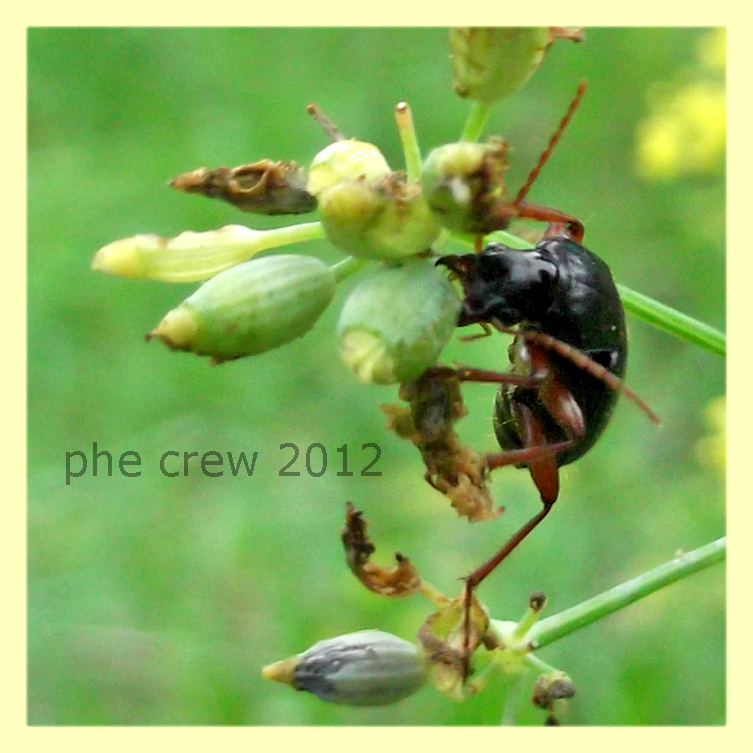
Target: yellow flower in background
712	50
712	449
686	132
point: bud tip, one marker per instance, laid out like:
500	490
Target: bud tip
120	258
177	329
281	671
366	355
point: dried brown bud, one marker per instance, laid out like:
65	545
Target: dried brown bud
262	187
550	693
537	601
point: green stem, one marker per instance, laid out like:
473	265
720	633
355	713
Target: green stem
673	321
411	150
539	666
347	267
513	700
476	122
559	625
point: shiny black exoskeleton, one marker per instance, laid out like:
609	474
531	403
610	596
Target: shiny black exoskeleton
561	290
568	359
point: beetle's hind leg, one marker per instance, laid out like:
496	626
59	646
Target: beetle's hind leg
542	463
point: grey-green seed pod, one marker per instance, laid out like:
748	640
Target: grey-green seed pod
489	64
367	668
250	308
395	323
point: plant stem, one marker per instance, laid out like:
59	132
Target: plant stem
347	267
411	150
673	321
552	628
513	700
476	122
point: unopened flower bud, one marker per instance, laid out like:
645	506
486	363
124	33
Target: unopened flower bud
190	256
462	181
346	160
395	323
367	668
386	219
489	64
250	308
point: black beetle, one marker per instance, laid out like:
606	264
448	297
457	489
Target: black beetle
569	355
562	291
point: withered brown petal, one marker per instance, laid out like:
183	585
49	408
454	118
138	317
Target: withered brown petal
400	580
457	471
448	638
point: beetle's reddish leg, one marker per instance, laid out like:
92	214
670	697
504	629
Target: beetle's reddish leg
486	333
527	455
470	374
572	227
546	478
581	360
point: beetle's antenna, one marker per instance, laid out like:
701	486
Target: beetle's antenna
583	361
552	143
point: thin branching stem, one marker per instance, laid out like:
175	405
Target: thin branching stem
347	267
514	700
559	625
476	122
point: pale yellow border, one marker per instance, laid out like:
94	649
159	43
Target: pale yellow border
16	735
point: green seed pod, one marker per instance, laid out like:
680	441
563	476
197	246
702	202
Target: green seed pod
346	160
489	64
385	220
395	323
250	308
367	668
461	181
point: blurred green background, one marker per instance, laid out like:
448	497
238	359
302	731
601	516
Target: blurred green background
157	600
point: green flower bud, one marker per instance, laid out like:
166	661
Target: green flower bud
461	181
384	220
489	64
395	323
367	668
250	308
346	160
